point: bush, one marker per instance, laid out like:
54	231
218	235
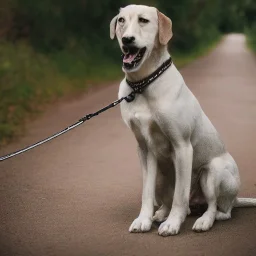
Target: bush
51	48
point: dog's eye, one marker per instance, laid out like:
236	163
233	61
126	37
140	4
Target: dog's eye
121	20
142	20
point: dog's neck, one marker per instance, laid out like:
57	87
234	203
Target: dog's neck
155	60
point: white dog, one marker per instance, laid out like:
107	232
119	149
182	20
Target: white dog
179	148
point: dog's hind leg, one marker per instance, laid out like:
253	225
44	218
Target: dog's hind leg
162	213
220	184
224	215
209	185
229	187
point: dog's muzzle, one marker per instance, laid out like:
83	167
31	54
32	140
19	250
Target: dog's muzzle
132	56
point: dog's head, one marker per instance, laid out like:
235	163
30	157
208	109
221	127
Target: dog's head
139	29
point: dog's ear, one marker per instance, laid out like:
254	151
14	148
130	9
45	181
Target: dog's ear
164	28
113	27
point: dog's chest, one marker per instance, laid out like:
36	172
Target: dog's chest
145	125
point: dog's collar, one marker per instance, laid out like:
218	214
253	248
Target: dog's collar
140	86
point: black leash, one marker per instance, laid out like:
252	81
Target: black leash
128	98
138	87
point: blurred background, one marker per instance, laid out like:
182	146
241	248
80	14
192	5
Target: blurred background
53	48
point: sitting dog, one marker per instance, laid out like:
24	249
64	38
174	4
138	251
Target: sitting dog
182	156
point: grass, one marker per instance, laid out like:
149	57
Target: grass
251	37
29	80
183	58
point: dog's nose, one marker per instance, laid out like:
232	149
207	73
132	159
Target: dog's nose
128	40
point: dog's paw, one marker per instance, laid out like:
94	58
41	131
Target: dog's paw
160	215
169	227
222	216
140	225
203	223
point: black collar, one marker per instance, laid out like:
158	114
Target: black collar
140	86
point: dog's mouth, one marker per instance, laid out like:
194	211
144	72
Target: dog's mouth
132	56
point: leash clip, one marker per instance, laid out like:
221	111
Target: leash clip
87	117
130	97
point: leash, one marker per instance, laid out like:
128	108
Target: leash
137	87
128	98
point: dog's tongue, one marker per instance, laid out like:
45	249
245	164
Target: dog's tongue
128	58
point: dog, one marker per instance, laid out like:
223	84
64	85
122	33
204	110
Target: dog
182	156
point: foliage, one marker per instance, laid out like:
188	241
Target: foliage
195	22
82	25
251	36
51	48
233	16
250	14
29	80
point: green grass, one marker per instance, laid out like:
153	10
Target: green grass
30	80
251	37
181	59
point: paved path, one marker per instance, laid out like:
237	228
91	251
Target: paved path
79	194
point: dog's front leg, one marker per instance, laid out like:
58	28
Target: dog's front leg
149	167
183	155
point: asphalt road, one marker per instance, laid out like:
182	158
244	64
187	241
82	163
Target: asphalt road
78	194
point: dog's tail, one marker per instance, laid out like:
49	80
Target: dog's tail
245	202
